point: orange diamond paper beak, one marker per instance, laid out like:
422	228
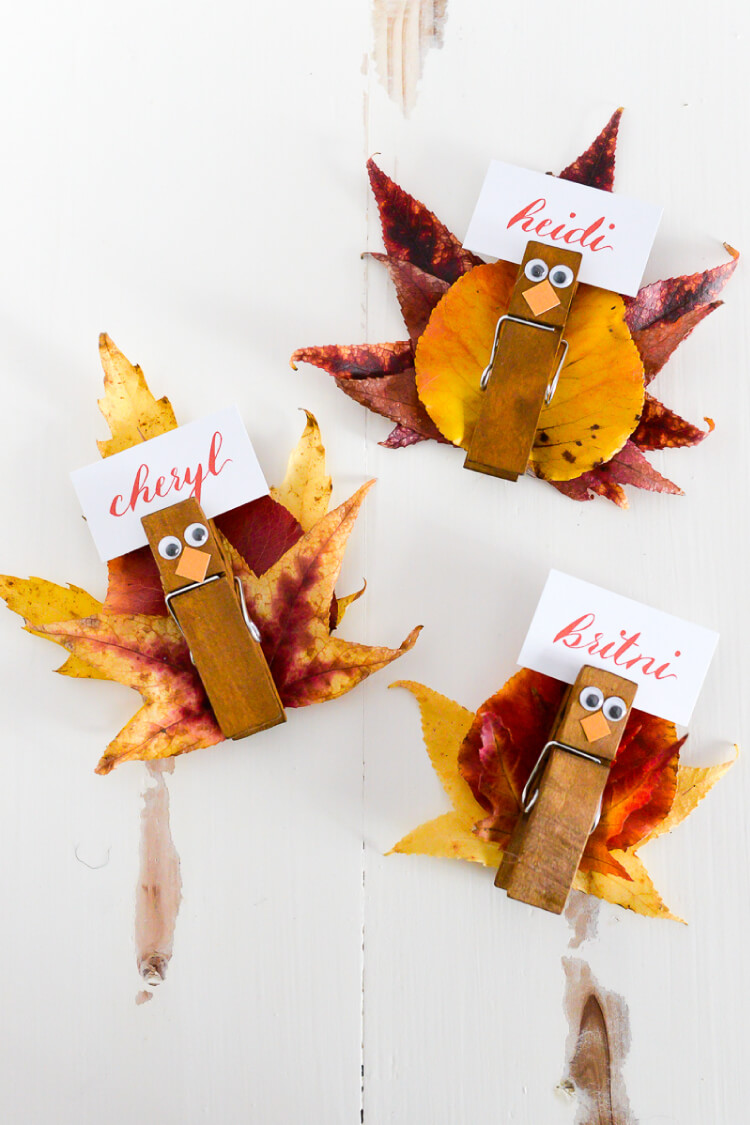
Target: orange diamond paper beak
541	298
193	564
595	727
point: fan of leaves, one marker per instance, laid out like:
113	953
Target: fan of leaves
484	761
286	549
425	260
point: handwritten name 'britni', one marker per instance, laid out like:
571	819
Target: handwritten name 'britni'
581	634
177	481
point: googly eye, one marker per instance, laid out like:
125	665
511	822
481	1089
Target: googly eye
536	270
614	708
170	547
196	534
591	698
561	276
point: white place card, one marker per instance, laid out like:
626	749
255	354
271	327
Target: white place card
612	232
211	459
577	623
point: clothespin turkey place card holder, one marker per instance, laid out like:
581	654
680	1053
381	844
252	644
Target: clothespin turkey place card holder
537	363
561	776
220	608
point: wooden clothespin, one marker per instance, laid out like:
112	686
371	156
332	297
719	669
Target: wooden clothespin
209	608
562	799
527	355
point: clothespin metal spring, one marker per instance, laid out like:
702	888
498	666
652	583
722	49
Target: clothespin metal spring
533	324
528	798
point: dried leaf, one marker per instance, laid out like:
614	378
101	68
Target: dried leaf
449	837
671	299
358	361
401	436
661	428
596	166
306	489
418	292
693	784
412	232
600	392
394	397
657	342
629	466
342	604
132	413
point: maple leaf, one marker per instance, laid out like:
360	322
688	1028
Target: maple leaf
287	556
483	761
425	261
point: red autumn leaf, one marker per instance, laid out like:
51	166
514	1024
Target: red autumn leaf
412	232
629	466
134	585
401	436
358	361
394	397
504	743
670	299
657	342
661	428
262	531
596	166
418	292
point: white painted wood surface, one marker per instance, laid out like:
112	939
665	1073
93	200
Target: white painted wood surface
191	179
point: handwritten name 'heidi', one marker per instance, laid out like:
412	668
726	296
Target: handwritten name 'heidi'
177	481
580	634
581	236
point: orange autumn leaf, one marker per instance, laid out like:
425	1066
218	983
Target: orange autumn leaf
484	760
288	573
599	395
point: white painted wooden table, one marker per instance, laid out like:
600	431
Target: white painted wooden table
191	179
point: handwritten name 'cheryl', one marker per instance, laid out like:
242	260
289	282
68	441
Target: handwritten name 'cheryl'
177	481
581	634
532	223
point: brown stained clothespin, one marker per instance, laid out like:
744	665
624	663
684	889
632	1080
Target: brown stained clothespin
527	354
208	606
562	799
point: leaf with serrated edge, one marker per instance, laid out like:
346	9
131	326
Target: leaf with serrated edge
132	413
306	489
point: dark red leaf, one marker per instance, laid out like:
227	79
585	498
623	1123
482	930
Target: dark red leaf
629	466
134	585
660	428
394	397
657	342
412	232
669	300
596	166
358	361
262	531
400	437
418	292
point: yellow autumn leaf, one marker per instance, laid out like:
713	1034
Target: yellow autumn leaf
693	783
132	413
600	394
342	604
306	488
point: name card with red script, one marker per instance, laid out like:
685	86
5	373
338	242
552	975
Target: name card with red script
211	459
576	623
613	233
